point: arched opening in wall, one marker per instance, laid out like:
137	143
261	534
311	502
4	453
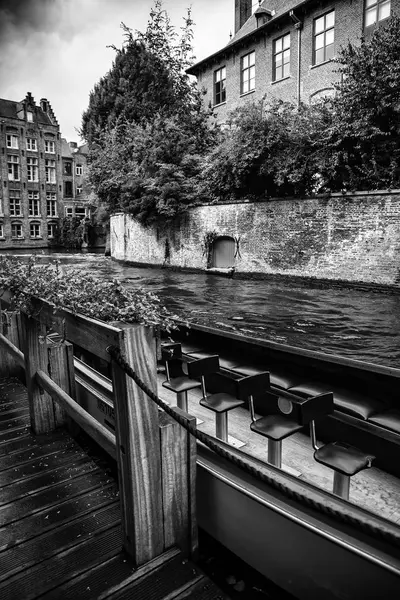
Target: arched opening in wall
223	252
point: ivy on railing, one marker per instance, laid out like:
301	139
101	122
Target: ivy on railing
81	293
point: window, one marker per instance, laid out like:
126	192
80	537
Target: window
13	167
32	169
80	211
16	231
29	116
68	189
34	230
248	73
15	204
324	35
34	204
281	57
79	170
79	190
375	11
50	170
12	141
1	230
220	85
68	211
68	168
51	205
51	230
31	144
49	146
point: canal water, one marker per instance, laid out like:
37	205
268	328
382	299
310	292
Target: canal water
360	324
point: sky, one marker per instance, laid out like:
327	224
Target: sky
57	49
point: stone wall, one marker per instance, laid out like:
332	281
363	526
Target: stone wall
353	238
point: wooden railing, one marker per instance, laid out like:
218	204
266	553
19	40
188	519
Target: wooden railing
156	457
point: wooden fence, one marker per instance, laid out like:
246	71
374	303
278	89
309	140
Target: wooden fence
156	457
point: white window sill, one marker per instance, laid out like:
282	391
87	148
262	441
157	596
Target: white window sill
325	62
220	104
36	238
247	93
282	79
17	239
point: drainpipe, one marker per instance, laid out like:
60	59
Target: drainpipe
298	25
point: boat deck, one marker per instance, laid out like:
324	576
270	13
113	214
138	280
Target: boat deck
371	489
60	523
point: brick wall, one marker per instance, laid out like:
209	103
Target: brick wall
349	18
354	238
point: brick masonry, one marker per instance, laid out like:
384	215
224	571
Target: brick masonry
352	238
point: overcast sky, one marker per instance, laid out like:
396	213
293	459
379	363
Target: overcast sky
57	49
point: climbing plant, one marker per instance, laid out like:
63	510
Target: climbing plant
207	246
81	293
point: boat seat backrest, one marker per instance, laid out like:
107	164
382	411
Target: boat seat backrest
302	410
203	366
171	351
252	385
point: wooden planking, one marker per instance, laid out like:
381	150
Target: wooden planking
35	351
89	424
178	456
138	447
371	489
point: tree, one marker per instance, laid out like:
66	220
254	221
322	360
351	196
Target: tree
365	133
146	125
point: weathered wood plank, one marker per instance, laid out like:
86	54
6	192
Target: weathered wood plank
178	455
40	404
13	359
96	430
61	371
138	447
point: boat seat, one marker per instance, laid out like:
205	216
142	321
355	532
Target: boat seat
345	400
343	458
275	427
278	377
177	381
221	402
389	419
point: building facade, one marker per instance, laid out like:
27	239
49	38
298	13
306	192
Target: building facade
77	193
30	173
284	49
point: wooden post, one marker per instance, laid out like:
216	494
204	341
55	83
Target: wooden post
35	351
61	370
178	455
138	446
9	328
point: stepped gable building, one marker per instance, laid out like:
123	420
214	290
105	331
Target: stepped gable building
30	173
77	192
284	49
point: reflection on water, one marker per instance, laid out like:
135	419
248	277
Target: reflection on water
363	325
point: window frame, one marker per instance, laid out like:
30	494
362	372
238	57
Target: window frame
51	201
275	53
14	203
34	204
219	84
17	237
32	170
69	211
46	146
375	5
323	32
2	231
50	169
247	69
79	170
35	236
53	225
15	167
29	144
14	138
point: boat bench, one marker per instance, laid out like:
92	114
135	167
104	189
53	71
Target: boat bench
370	415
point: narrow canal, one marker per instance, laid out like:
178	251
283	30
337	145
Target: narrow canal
363	325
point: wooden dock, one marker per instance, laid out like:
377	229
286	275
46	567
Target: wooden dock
60	523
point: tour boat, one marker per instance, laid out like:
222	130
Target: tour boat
309	541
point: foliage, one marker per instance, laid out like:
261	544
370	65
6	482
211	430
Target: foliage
207	245
273	151
70	232
365	133
81	293
146	125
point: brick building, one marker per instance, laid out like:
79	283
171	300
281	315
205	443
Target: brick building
30	173
76	190
284	49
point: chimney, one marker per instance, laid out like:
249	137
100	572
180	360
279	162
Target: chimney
242	13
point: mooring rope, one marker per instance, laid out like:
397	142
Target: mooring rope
379	532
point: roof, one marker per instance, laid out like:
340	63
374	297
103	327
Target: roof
65	149
9	109
278	8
